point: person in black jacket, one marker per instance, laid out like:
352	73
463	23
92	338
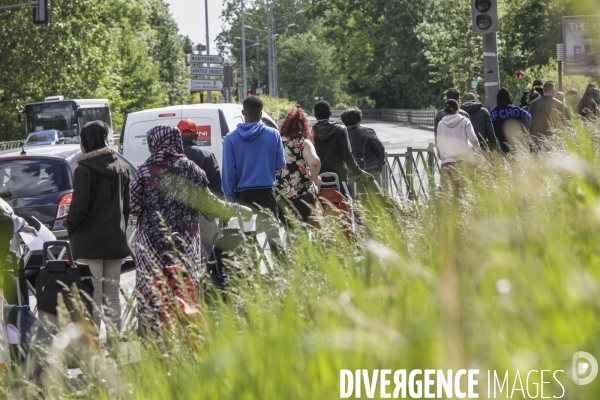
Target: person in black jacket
208	162
547	115
509	122
589	105
367	149
481	121
333	147
537	86
98	216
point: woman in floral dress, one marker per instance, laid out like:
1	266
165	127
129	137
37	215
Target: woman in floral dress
297	183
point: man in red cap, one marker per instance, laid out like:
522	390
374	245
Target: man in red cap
208	162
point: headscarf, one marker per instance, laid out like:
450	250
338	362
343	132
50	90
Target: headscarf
164	142
93	135
504	98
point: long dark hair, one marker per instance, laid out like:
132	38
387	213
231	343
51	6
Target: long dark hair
295	125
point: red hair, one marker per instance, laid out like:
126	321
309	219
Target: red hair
295	125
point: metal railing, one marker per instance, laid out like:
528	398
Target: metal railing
13	144
414	174
413	117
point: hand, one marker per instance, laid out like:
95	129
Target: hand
29	229
246	213
365	176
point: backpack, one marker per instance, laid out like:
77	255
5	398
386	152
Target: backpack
58	277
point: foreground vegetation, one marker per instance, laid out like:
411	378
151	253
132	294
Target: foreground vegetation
503	276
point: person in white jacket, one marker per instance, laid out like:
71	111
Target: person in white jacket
456	140
9	225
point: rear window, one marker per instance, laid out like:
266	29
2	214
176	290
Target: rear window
25	178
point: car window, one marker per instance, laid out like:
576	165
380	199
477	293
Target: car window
25	178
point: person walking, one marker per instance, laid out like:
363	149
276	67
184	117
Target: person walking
367	149
481	121
510	122
537	86
457	142
252	155
589	105
209	227
547	115
168	194
333	148
98	217
451	94
297	183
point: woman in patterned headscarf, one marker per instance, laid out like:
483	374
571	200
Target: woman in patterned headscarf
168	192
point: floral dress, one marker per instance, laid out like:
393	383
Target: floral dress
295	179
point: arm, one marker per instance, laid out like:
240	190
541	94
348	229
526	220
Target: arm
312	159
471	137
489	130
126	197
279	156
347	155
229	169
214	175
376	144
80	205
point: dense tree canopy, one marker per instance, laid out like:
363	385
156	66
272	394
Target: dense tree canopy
128	51
405	53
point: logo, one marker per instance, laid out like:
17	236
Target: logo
581	368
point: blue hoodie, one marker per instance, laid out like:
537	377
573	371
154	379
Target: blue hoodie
252	154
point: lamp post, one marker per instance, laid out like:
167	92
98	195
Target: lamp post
560	57
244	81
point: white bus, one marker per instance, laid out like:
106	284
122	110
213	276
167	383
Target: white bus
67	116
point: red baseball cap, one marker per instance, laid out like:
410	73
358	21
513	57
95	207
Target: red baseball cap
187	125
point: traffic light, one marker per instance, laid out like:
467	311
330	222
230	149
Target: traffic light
485	16
520	76
40	12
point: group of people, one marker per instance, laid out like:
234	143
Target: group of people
463	131
180	189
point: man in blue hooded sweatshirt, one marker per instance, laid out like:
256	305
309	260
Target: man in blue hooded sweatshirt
252	154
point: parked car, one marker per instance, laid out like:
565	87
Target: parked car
43	138
39	184
214	121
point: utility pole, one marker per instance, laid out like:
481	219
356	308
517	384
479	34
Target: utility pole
207	45
491	68
244	81
257	66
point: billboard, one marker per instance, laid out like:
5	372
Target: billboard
581	38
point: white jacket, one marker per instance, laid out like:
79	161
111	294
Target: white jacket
456	140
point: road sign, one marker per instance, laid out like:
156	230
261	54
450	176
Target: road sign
200	47
204	84
198	58
259	91
206	71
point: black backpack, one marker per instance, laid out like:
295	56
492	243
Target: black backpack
55	275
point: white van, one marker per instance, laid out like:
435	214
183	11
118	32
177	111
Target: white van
214	122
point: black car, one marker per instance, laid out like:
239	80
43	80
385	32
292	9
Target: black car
38	182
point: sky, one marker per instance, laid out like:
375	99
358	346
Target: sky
190	17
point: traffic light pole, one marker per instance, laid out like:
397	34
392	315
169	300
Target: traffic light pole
491	68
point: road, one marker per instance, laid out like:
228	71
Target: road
397	138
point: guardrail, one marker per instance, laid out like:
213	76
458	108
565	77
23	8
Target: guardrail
413	117
414	174
13	144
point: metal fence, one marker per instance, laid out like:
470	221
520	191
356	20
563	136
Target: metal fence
14	144
414	174
412	117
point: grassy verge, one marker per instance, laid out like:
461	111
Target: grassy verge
503	276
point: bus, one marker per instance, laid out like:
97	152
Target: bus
67	116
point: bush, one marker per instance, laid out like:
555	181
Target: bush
277	108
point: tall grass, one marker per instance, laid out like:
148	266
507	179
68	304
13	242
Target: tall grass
501	275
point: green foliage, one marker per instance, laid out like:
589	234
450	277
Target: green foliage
504	275
127	51
277	108
307	69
